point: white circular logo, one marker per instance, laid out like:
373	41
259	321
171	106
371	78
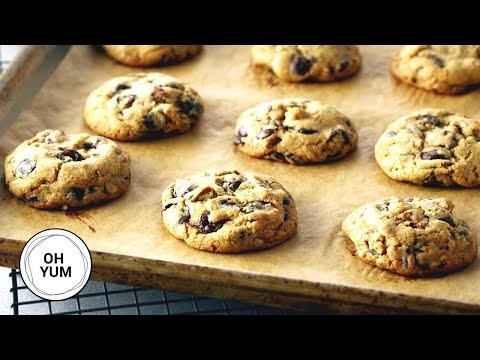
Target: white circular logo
55	264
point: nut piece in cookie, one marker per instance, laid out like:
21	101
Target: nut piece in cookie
297	131
229	211
442	69
149	55
295	63
141	105
431	147
411	236
54	170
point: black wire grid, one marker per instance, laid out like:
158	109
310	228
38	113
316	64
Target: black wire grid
99	298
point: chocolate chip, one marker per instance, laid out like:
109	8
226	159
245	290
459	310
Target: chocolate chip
448	220
265	184
285	217
417	247
346	137
336	132
237	140
226	202
434	122
277	156
78	193
168	206
241	132
372	252
384	206
72	154
30	198
254	205
159	95
129	100
190	107
287	157
391	133
424	267
232	185
177	86
430	120
344	63
185	218
433	181
335	156
438	61
300	64
206	227
442	265
236	184
190	188
274	140
88	146
264	133
149	122
286	202
433	155
121	87
307	131
92	189
26	166
258	205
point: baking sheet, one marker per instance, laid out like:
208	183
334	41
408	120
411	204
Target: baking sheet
324	194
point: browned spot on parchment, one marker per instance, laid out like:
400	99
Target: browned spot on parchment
78	215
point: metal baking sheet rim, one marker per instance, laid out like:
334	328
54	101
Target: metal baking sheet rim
307	295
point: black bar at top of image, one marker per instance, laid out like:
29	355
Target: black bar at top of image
243	22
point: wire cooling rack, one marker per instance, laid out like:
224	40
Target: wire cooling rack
99	298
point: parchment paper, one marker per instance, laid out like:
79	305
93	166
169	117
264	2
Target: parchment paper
324	194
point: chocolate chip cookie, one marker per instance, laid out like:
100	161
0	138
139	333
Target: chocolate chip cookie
148	55
443	69
227	211
431	147
297	131
411	236
54	170
294	63
142	105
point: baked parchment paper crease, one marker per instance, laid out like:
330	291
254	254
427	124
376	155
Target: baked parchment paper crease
324	194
